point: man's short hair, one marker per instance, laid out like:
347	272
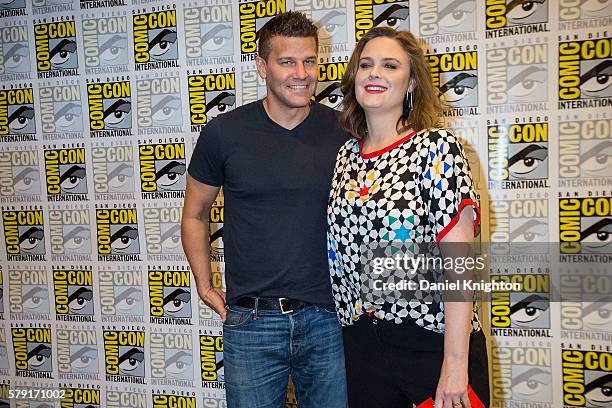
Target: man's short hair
289	24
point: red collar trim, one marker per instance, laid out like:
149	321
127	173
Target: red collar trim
384	149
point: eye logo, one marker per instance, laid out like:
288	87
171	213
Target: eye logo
56	49
527	308
585	149
19	175
518	226
117	235
17	112
113	170
384	13
253	15
105	42
155	40
330	19
73	295
162	170
14	50
211	359
589	9
585	225
587	378
518	152
110	108
525	373
171	357
209	34
24	234
159	105
170	297
77	353
516	17
66	174
124	356
447	17
328	90
121	294
32	349
585	73
210	96
455	77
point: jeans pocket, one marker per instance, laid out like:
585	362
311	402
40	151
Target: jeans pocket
237	318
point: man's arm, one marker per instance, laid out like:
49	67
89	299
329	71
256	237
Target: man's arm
195	236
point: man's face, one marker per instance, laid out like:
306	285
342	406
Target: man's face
290	71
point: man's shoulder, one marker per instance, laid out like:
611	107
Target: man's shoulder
324	111
236	116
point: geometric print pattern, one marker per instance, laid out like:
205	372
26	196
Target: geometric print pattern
411	192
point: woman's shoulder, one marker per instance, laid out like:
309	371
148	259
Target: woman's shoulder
352	144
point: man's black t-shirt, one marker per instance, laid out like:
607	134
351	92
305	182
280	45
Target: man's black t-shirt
276	185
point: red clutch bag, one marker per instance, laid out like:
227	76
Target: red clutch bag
474	400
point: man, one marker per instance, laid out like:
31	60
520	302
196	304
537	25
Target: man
274	159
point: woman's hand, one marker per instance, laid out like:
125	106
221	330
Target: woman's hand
453	384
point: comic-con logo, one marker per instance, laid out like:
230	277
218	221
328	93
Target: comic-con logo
252	85
253	16
66	174
117	234
455	79
116	397
4	359
209	36
110	108
522	374
14	51
70	234
508	17
527	308
380	13
516	225
79	397
585	225
173	401
170	296
210	96
162	170
155	39
13	8
17	123
211	361
328	90
518	154
163	233
585	150
32	351
73	289
113	171
121	294
570	12
586	303
587	377
61	111
585	73
29	294
159	106
172	358
56	49
330	19
19	176
124	355
446	19
517	78
77	353
105	44
24	235
216	221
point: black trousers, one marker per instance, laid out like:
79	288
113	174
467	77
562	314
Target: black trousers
393	366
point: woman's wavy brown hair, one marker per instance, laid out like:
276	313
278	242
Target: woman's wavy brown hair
426	106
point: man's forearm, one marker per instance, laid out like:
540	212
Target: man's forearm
195	237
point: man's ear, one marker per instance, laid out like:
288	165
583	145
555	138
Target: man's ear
262	67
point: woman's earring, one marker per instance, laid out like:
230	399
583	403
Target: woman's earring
408	103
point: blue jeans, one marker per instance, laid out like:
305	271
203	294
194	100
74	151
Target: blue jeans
261	349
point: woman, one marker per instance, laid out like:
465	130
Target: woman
400	180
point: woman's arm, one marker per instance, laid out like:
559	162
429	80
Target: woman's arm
452	386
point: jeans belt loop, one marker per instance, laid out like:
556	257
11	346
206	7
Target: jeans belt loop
282	309
256	308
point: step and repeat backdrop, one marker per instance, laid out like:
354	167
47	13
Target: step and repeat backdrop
102	101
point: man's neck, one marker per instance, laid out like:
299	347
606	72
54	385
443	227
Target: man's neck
284	116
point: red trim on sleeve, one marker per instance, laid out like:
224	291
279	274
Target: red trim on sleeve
454	221
384	149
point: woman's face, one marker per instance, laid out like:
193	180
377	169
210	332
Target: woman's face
381	81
